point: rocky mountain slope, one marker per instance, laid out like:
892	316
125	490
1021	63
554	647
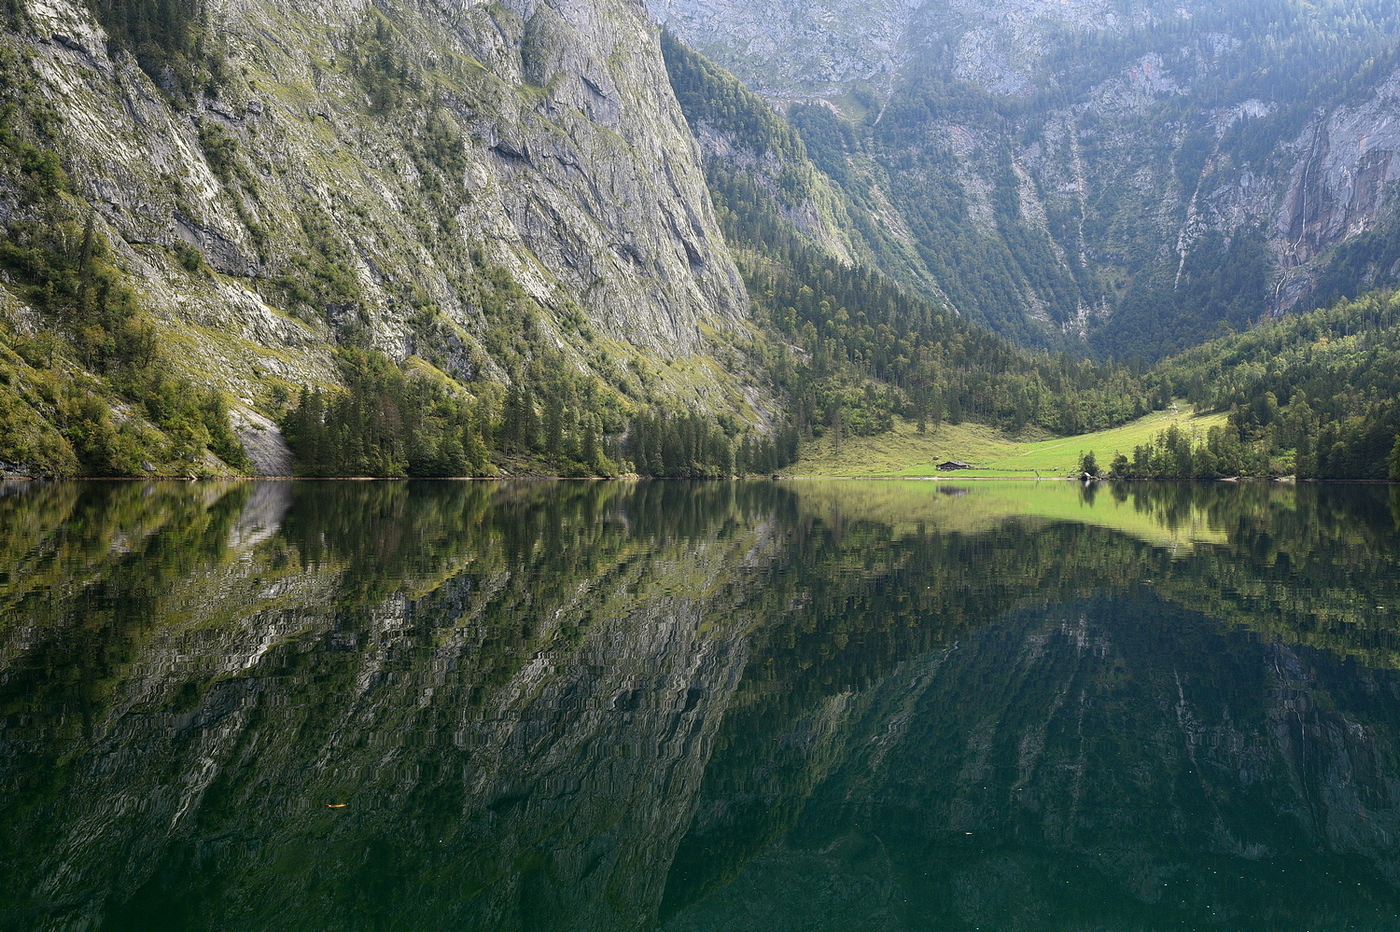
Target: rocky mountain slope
471	185
496	229
1132	175
796	48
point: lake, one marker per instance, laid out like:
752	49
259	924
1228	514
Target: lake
676	706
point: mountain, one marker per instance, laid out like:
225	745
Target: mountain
552	238
1125	178
231	193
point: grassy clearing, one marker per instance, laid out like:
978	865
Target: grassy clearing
905	453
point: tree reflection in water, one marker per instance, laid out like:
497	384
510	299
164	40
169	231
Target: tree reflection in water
698	705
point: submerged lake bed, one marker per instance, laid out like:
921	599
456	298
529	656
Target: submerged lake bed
699	705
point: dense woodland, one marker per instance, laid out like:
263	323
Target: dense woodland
391	423
171	41
1313	395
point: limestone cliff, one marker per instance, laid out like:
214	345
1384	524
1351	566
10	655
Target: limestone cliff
796	48
439	181
1127	174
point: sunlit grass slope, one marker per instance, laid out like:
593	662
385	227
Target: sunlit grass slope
905	453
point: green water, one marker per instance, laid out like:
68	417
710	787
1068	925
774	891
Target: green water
713	706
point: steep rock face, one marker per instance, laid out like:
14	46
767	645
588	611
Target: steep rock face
382	174
599	179
796	48
999	46
1340	186
1086	171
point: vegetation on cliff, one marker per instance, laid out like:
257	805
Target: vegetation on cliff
85	388
368	251
1311	395
430	348
392	423
856	348
1126	179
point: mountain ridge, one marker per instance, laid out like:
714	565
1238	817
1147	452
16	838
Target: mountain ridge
1099	160
473	187
550	239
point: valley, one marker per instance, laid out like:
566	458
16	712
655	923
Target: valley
791	258
590	239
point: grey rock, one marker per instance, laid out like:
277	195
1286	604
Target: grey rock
573	146
1100	154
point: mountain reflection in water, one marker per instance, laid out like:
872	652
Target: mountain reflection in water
731	705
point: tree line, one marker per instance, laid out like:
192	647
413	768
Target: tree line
1313	395
389	422
171	40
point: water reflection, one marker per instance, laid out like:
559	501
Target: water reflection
714	705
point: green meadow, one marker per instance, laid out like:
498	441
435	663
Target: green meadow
906	453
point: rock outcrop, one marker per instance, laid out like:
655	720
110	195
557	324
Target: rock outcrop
418	179
1072	172
797	48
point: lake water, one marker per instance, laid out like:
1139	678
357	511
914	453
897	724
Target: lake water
714	706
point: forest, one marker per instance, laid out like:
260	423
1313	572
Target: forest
390	423
1312	395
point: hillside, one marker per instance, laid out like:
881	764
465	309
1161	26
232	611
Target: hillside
1123	179
1311	395
1317	391
855	348
379	240
231	197
553	239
